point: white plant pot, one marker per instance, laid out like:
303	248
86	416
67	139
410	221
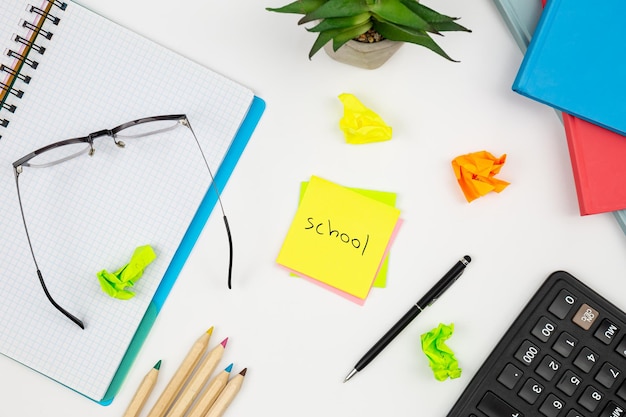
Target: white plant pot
362	54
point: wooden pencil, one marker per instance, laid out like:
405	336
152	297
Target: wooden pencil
227	395
197	381
210	393
143	392
182	374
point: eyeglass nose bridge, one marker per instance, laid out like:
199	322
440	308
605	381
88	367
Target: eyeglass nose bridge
104	132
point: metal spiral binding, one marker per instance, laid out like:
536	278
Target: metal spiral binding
25	78
25	46
22	58
44	33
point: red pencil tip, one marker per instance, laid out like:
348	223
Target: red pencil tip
224	342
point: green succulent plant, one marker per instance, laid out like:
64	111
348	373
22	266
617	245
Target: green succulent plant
398	20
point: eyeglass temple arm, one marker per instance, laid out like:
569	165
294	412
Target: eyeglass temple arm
66	313
230	247
55	304
219	201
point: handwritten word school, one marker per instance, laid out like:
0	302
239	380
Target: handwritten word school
335	233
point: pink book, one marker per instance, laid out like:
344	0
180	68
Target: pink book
598	159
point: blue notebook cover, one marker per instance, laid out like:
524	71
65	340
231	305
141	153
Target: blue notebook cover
191	236
575	61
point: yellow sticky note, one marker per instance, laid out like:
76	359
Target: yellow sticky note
339	238
382	196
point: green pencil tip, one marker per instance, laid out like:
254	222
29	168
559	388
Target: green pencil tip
158	365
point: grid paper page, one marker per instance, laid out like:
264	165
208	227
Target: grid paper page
90	213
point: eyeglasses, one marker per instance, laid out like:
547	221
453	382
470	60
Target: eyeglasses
65	150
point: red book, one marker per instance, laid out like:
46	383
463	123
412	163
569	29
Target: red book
598	159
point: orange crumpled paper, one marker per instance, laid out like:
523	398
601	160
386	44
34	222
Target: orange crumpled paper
360	124
475	173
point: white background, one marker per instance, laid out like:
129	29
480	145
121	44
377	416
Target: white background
297	340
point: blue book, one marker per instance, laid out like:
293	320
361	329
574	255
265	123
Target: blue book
575	61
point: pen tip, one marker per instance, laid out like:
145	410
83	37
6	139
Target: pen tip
350	375
467	258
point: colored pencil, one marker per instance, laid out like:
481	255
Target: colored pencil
143	392
197	381
182	374
227	395
210	393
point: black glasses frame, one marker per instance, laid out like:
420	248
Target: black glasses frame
18	167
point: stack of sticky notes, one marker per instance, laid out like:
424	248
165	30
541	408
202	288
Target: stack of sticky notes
340	237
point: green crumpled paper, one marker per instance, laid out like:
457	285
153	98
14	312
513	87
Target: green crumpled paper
440	356
360	124
115	284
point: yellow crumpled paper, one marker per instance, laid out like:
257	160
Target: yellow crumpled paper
360	124
115	284
440	356
475	174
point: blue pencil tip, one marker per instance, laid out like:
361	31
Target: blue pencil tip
229	368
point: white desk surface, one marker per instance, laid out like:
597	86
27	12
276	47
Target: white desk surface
297	340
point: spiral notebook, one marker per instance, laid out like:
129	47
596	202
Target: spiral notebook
66	72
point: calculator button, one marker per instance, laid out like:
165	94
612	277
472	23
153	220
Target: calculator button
573	413
586	359
494	406
531	391
569	382
565	344
590	399
608	375
621	348
548	367
562	304
552	406
544	329
612	409
606	331
527	353
585	316
510	375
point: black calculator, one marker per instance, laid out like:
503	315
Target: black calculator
564	356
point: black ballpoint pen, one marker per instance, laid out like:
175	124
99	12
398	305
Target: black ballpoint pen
429	298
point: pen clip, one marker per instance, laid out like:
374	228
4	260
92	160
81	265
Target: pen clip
445	288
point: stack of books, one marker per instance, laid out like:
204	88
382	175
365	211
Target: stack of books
574	63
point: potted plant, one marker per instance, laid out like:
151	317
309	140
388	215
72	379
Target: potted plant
347	22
